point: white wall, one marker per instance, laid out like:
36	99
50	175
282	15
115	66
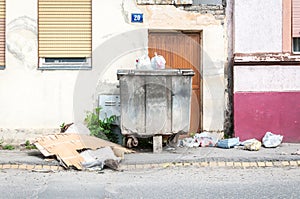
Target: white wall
30	98
266	78
258	26
38	100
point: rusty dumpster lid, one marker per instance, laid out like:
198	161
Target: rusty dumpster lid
159	72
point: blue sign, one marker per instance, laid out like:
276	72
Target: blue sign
136	17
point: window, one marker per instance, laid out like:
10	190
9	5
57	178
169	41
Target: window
65	34
296	25
2	34
296	44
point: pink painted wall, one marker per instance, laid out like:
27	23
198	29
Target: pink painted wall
255	113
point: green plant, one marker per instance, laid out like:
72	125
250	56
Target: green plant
62	125
28	145
8	147
101	128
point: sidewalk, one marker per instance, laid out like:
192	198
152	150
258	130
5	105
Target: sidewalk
202	156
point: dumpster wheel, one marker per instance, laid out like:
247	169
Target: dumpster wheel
132	141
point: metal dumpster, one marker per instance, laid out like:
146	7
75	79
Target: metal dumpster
155	102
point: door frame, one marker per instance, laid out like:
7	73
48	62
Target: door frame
186	31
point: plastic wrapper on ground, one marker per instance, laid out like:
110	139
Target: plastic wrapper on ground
251	145
228	143
271	140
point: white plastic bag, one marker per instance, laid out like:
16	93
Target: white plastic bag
272	140
206	139
143	62
158	62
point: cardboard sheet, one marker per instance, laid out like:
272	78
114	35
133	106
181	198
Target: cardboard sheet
66	146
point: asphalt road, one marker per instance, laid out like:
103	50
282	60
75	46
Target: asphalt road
189	182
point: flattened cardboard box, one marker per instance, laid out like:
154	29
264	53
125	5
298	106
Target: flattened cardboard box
66	146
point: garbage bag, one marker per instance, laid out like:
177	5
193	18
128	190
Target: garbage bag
189	142
206	139
143	62
272	140
158	62
97	159
251	145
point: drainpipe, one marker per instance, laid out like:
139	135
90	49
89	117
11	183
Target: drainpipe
228	126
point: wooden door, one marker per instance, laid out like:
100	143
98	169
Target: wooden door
182	50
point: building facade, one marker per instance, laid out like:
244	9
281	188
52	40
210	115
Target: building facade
266	68
57	57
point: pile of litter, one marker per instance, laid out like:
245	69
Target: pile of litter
205	139
81	151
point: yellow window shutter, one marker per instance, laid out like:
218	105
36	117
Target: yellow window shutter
2	33
65	28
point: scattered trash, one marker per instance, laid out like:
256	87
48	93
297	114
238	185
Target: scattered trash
65	146
158	62
296	153
188	142
228	143
251	145
271	140
97	159
204	139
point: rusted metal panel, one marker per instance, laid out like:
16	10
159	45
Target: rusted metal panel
65	28
296	18
155	102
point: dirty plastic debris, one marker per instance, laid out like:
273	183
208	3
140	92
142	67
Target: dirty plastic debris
296	153
251	145
66	146
97	159
199	140
158	62
188	142
271	140
228	143
206	139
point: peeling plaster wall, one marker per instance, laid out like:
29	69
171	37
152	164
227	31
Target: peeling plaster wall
213	55
214	51
36	102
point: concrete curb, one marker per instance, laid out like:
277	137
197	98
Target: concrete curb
32	167
130	167
213	164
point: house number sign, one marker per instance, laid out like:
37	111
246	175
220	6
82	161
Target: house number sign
136	18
